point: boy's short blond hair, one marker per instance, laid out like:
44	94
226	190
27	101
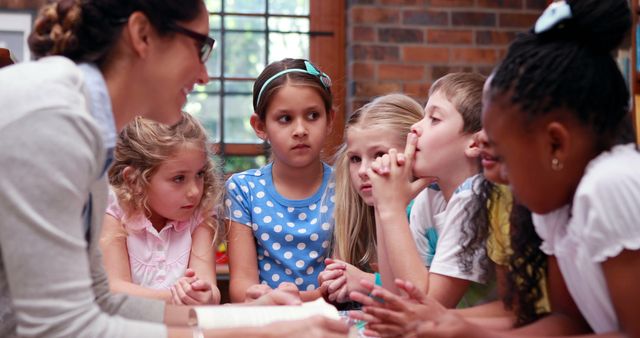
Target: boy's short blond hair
464	91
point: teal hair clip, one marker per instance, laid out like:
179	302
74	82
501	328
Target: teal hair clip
554	14
324	78
309	69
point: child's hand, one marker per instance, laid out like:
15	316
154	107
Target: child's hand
256	291
388	314
189	290
339	279
277	297
332	274
391	176
448	325
289	288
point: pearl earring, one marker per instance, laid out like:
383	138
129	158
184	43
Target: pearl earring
556	164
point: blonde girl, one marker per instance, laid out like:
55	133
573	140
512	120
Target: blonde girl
370	132
159	228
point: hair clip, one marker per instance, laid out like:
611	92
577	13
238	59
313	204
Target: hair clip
556	12
324	78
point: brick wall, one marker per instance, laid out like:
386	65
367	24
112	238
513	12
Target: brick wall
404	45
22	4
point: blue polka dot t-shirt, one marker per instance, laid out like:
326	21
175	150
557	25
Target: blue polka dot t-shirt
292	236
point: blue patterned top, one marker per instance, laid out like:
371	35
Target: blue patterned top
292	236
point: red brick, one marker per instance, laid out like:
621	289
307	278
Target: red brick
400	35
374	52
400	72
357	104
451	3
363	34
369	89
425	54
523	20
22	4
417	90
495	37
500	3
474	55
485	70
425	18
374	15
502	52
450	36
403	2
537	4
440	71
363	71
485	19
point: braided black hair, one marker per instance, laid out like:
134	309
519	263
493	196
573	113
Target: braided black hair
570	66
527	267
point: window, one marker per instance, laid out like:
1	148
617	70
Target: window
249	35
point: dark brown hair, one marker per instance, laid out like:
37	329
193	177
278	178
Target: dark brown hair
87	30
296	78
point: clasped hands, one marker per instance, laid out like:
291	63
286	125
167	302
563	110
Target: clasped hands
392	178
412	315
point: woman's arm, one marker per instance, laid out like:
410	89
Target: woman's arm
113	243
58	288
202	258
243	261
316	327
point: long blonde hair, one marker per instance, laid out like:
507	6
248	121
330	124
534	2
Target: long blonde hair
144	145
355	231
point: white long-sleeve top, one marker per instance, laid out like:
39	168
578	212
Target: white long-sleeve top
52	157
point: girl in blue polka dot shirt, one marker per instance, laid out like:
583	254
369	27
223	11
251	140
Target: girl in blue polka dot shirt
280	216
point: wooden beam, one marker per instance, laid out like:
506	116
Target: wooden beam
328	51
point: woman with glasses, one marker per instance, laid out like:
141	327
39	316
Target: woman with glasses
102	62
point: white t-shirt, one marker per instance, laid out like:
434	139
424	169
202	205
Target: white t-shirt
436	227
602	222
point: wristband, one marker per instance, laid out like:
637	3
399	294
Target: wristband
378	282
378	279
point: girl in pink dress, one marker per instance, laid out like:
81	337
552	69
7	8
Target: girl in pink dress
160	224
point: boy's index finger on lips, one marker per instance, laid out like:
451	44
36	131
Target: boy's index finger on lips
410	147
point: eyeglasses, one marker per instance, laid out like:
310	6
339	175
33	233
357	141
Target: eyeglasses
206	43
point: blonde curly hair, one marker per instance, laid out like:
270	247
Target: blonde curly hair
143	145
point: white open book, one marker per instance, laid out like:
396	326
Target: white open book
210	317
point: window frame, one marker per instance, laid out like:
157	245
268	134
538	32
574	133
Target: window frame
326	28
